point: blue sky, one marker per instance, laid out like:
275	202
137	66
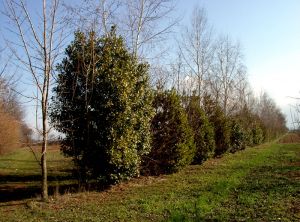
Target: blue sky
269	32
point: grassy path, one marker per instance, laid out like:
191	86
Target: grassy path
258	184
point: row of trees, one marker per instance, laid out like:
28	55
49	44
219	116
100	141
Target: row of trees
9	125
116	126
103	102
295	114
185	133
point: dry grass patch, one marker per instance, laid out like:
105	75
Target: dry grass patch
290	138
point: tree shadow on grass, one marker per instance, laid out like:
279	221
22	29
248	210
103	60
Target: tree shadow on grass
10	193
7	179
18	193
21	187
20	161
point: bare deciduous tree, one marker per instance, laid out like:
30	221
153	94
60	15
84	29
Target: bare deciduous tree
159	76
296	116
143	23
177	69
36	47
139	21
197	48
271	116
228	70
91	15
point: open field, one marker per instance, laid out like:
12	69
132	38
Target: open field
257	184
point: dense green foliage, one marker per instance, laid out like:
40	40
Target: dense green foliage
222	129
238	137
221	125
102	105
172	138
251	126
203	131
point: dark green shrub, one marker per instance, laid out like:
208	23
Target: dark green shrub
220	123
238	137
172	139
103	106
203	131
257	135
222	132
252	127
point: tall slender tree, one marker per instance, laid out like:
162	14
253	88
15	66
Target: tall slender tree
36	48
228	70
197	49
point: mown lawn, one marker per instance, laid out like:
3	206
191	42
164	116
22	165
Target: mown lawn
257	184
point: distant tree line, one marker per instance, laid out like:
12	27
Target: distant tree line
14	133
295	115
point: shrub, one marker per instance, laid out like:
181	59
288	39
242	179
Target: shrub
203	131
221	125
172	139
222	132
102	105
238	137
251	125
257	135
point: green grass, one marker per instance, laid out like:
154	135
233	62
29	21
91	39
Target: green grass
22	162
257	184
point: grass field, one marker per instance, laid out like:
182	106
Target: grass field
257	184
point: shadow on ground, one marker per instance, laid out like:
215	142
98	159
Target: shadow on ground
20	187
17	187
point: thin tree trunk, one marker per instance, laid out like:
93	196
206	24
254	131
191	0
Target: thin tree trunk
44	159
44	110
